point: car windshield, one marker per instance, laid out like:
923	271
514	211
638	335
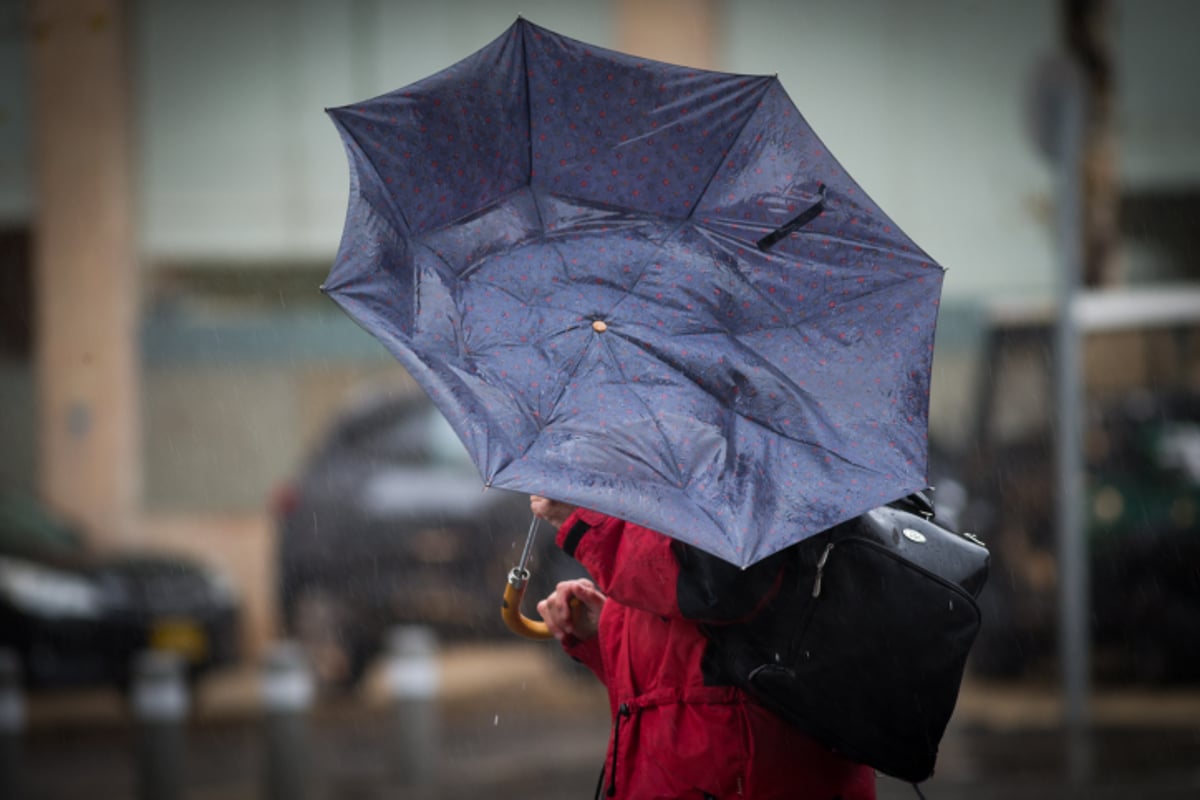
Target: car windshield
444	445
416	435
26	526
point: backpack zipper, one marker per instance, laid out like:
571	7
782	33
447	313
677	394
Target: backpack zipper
893	555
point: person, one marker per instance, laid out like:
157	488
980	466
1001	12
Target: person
680	730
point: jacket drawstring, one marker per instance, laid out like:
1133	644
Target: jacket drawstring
622	711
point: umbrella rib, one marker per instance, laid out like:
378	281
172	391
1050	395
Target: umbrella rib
783	313
733	141
788	382
784	379
537	204
814	445
907	256
653	418
505	290
568	369
379	179
658	246
645	266
528	114
541	338
800	393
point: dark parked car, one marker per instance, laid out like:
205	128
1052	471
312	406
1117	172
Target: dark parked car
1140	420
388	523
75	617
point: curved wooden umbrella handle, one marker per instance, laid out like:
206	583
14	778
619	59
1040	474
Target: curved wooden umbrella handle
510	608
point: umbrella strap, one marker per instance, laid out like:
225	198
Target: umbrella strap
794	224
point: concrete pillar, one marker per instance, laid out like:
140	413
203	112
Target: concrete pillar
413	682
85	275
12	726
678	31
288	690
160	703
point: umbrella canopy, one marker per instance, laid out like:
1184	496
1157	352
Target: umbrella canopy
642	288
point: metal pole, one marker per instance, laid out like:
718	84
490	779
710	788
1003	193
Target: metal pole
287	693
412	677
160	705
12	726
1074	644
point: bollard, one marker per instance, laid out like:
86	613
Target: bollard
12	725
287	694
412	680
160	705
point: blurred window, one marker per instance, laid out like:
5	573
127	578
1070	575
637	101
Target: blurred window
26	526
1178	450
1024	412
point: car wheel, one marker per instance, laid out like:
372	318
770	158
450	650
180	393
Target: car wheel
321	623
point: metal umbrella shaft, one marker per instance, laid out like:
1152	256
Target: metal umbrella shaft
523	564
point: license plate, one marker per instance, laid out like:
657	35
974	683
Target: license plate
180	636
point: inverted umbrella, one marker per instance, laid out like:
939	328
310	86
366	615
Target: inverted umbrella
641	288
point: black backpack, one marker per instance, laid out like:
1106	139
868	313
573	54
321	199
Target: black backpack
865	644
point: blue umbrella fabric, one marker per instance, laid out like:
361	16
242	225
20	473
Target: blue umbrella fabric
641	288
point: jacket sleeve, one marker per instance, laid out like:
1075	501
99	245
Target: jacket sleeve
645	569
587	652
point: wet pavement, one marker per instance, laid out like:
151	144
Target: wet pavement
516	722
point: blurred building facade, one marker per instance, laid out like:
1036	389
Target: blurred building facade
236	188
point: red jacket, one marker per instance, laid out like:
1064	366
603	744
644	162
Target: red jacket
678	730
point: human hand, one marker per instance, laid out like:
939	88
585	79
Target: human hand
552	511
572	608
